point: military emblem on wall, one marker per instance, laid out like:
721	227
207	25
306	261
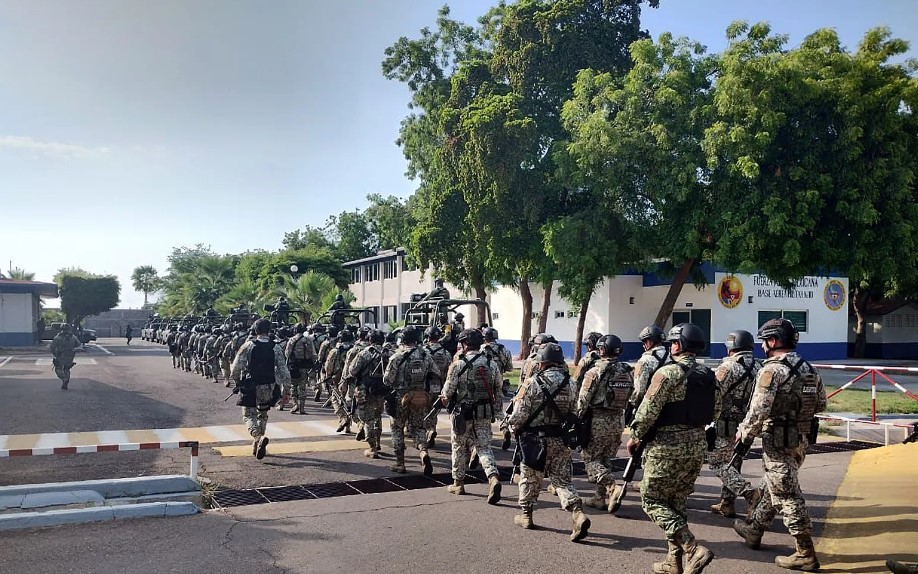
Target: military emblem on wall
730	291
834	295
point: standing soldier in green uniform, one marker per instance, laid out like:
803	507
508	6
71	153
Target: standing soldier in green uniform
63	350
788	394
681	400
441	358
334	369
587	360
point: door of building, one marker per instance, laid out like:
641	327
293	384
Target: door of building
700	317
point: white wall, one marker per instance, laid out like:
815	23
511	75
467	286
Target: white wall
900	326
16	313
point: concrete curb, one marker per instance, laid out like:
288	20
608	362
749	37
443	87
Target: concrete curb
99	514
114	488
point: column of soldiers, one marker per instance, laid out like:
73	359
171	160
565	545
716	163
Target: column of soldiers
681	414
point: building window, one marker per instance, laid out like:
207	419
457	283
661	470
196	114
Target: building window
910	320
495	316
798	318
559	314
390	269
391	314
355	275
371	272
572	313
898	321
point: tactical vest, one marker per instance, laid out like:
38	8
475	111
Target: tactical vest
591	359
794	406
413	371
340	355
734	408
372	375
261	363
549	419
697	408
474	377
613	387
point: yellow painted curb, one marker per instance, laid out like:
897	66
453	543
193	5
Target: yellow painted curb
875	512
294	447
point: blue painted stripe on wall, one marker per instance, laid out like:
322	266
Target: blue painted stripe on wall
16	339
633	350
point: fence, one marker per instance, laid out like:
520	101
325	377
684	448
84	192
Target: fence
123	447
908	429
873	372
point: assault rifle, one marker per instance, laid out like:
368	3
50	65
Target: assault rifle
517	459
739	452
438	406
634	463
506	428
333	392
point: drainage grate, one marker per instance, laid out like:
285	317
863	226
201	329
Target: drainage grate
230	498
286	493
331	489
373	486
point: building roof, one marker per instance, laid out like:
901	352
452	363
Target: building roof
380	256
37	287
883	307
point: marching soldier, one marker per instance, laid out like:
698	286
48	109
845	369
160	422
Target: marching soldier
441	358
543	400
655	356
301	355
63	350
683	398
331	339
736	377
334	369
500	354
365	373
788	394
588	360
409	373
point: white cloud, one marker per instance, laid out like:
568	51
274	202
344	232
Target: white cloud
26	143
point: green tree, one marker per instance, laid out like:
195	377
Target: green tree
21	274
146	280
308	237
352	234
390	221
84	294
821	144
308	292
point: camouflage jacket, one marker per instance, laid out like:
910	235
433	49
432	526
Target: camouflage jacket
501	355
530	396
367	360
595	388
736	378
64	345
326	347
334	363
397	376
460	377
645	367
352	354
775	377
440	356
668	385
241	363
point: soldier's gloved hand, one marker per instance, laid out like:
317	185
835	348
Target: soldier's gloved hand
633	445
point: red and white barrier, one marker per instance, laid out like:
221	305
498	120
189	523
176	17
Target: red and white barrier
873	372
123	447
908	428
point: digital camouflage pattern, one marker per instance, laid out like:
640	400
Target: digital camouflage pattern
587	362
256	418
442	358
459	382
369	360
736	378
500	354
780	484
409	416
63	348
333	369
672	462
646	365
558	457
606	427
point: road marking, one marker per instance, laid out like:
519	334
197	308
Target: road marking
101	348
295	447
78	360
5	361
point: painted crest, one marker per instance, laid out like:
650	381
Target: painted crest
834	295
730	291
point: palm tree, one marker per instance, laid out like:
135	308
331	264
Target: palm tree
308	292
21	274
146	280
213	278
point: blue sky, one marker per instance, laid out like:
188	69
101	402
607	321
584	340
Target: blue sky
128	127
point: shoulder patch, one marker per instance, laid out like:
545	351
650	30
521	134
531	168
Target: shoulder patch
765	378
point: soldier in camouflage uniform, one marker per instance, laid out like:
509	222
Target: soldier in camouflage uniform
788	394
365	374
530	364
540	404
602	399
211	355
736	377
319	336
655	356
588	360
184	343
472	386
325	347
260	367
349	386
172	342
681	400
334	369
441	358
500	354
63	350
410	372
301	354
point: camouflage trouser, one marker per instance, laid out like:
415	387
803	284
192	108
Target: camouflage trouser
477	435
349	393
298	388
256	418
719	462
670	471
63	370
781	488
371	409
340	407
186	360
213	366
558	471
430	425
227	371
414	421
605	438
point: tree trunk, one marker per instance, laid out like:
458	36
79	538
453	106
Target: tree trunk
144	298
674	290
860	301
546	303
526	327
581	319
479	288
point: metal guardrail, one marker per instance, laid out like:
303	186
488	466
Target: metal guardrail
907	428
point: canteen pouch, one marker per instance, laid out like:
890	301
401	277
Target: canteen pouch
247	395
533	450
458	422
814	431
710	436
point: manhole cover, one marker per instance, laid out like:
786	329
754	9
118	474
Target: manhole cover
229	498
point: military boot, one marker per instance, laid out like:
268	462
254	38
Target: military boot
725	508
432	439
302	404
600	499
524	518
296	407
897	567
551	490
399	465
673	564
753	497
750	532
457	487
494	488
580	524
371	453
318	396
614	503
803	559
695	556
347	425
425	461
361	434
343	423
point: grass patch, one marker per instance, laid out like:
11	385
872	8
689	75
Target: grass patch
858	401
